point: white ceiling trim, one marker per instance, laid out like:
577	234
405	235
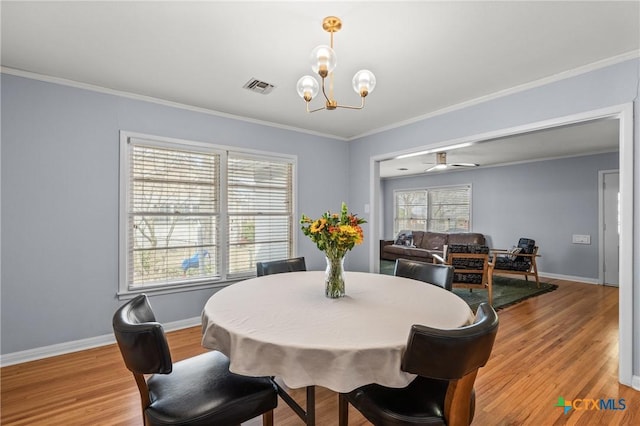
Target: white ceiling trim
602	113
135	96
506	92
531	85
510	163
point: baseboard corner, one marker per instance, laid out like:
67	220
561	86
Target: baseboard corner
635	382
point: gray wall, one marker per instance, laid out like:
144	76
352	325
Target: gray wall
60	180
60	154
548	201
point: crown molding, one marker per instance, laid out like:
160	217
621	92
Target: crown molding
634	54
134	96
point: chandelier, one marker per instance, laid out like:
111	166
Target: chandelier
323	62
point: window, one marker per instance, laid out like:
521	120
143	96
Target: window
193	214
260	213
445	209
410	211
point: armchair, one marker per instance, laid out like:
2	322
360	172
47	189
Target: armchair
521	261
471	267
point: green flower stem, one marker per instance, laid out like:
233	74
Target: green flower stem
334	276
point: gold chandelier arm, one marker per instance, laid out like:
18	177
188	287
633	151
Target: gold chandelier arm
324	92
313	110
352	107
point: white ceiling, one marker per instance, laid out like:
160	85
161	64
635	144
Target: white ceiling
427	56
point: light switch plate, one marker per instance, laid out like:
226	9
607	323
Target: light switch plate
581	239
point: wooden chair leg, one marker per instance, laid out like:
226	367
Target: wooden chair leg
457	406
534	268
145	400
267	418
343	410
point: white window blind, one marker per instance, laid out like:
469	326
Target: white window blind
445	209
193	213
449	209
173	216
410	211
260	211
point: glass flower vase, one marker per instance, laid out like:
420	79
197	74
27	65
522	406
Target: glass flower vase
334	277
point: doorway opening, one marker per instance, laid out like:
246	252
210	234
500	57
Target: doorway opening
624	115
609	227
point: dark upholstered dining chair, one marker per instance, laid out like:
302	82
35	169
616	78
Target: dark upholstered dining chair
446	363
440	275
280	266
196	391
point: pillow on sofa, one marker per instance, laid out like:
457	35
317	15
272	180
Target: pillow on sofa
404	238
417	238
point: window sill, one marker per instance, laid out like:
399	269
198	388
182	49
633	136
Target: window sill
180	288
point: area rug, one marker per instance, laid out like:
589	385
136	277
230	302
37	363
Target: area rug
507	291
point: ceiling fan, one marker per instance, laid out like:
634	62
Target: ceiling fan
441	163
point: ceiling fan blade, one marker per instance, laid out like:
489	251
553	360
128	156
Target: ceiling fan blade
437	167
463	165
441	163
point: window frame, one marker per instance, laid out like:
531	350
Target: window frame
428	219
231	276
124	289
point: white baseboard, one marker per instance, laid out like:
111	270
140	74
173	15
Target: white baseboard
569	278
80	345
635	382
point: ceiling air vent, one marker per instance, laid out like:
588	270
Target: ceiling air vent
258	86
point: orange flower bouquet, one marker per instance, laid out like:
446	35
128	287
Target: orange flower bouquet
334	234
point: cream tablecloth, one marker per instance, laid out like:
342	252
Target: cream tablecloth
282	325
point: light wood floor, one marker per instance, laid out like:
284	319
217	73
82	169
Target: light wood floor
560	344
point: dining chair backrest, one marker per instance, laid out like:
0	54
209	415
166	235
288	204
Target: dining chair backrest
440	275
141	339
280	266
453	353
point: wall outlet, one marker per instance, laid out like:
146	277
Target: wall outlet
581	239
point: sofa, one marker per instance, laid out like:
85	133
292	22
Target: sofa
420	245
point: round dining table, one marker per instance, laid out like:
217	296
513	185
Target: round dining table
283	325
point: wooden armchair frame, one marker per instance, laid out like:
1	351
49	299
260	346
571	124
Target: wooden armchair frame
533	267
486	282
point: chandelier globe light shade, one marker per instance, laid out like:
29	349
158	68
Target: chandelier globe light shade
323	60
307	87
364	82
323	63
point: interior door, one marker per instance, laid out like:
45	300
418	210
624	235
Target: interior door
611	227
